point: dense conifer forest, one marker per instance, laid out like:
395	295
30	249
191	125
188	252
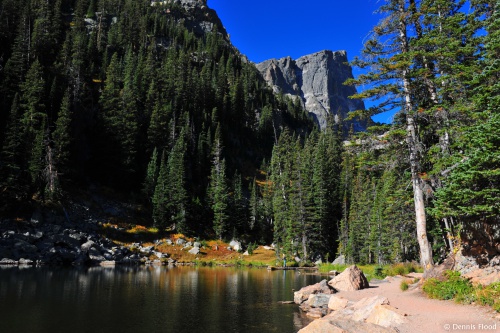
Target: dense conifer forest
147	102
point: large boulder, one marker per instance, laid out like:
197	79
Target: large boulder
350	279
236	245
194	250
319	288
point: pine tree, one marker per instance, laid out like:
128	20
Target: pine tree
149	184
239	208
11	155
176	187
471	190
62	135
160	196
388	52
280	179
218	190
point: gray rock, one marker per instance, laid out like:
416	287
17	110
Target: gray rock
64	240
194	250
317	80
87	246
319	288
24	261
78	236
8	262
236	245
148	249
340	260
318	300
162	255
196	244
96	255
169	242
37	235
180	241
24	247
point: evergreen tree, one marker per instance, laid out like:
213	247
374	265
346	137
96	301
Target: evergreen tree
239	208
388	52
62	135
11	154
160	197
151	176
176	187
218	190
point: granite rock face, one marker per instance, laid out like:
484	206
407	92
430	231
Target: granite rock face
317	79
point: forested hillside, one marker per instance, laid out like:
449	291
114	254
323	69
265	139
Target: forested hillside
145	99
151	100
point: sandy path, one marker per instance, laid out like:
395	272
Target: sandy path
428	315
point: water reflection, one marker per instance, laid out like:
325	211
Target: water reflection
149	299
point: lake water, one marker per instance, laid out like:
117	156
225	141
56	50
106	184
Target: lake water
149	299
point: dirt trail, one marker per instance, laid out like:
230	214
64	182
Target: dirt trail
429	315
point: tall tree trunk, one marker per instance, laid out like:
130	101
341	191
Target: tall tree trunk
412	141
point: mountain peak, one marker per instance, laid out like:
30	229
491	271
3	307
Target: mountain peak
318	80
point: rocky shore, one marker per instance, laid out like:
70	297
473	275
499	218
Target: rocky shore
337	314
76	235
36	243
348	303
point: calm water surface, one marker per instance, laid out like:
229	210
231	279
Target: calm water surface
149	299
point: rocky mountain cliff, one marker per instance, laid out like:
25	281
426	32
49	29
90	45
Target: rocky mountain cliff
198	17
317	79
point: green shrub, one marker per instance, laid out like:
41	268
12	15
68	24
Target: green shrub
454	286
489	295
378	271
251	247
402	269
404	285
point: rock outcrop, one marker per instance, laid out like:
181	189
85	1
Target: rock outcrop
201	19
372	314
303	294
317	79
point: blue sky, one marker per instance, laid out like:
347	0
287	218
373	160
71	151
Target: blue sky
278	28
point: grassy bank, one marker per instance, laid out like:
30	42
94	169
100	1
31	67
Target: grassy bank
376	271
455	287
